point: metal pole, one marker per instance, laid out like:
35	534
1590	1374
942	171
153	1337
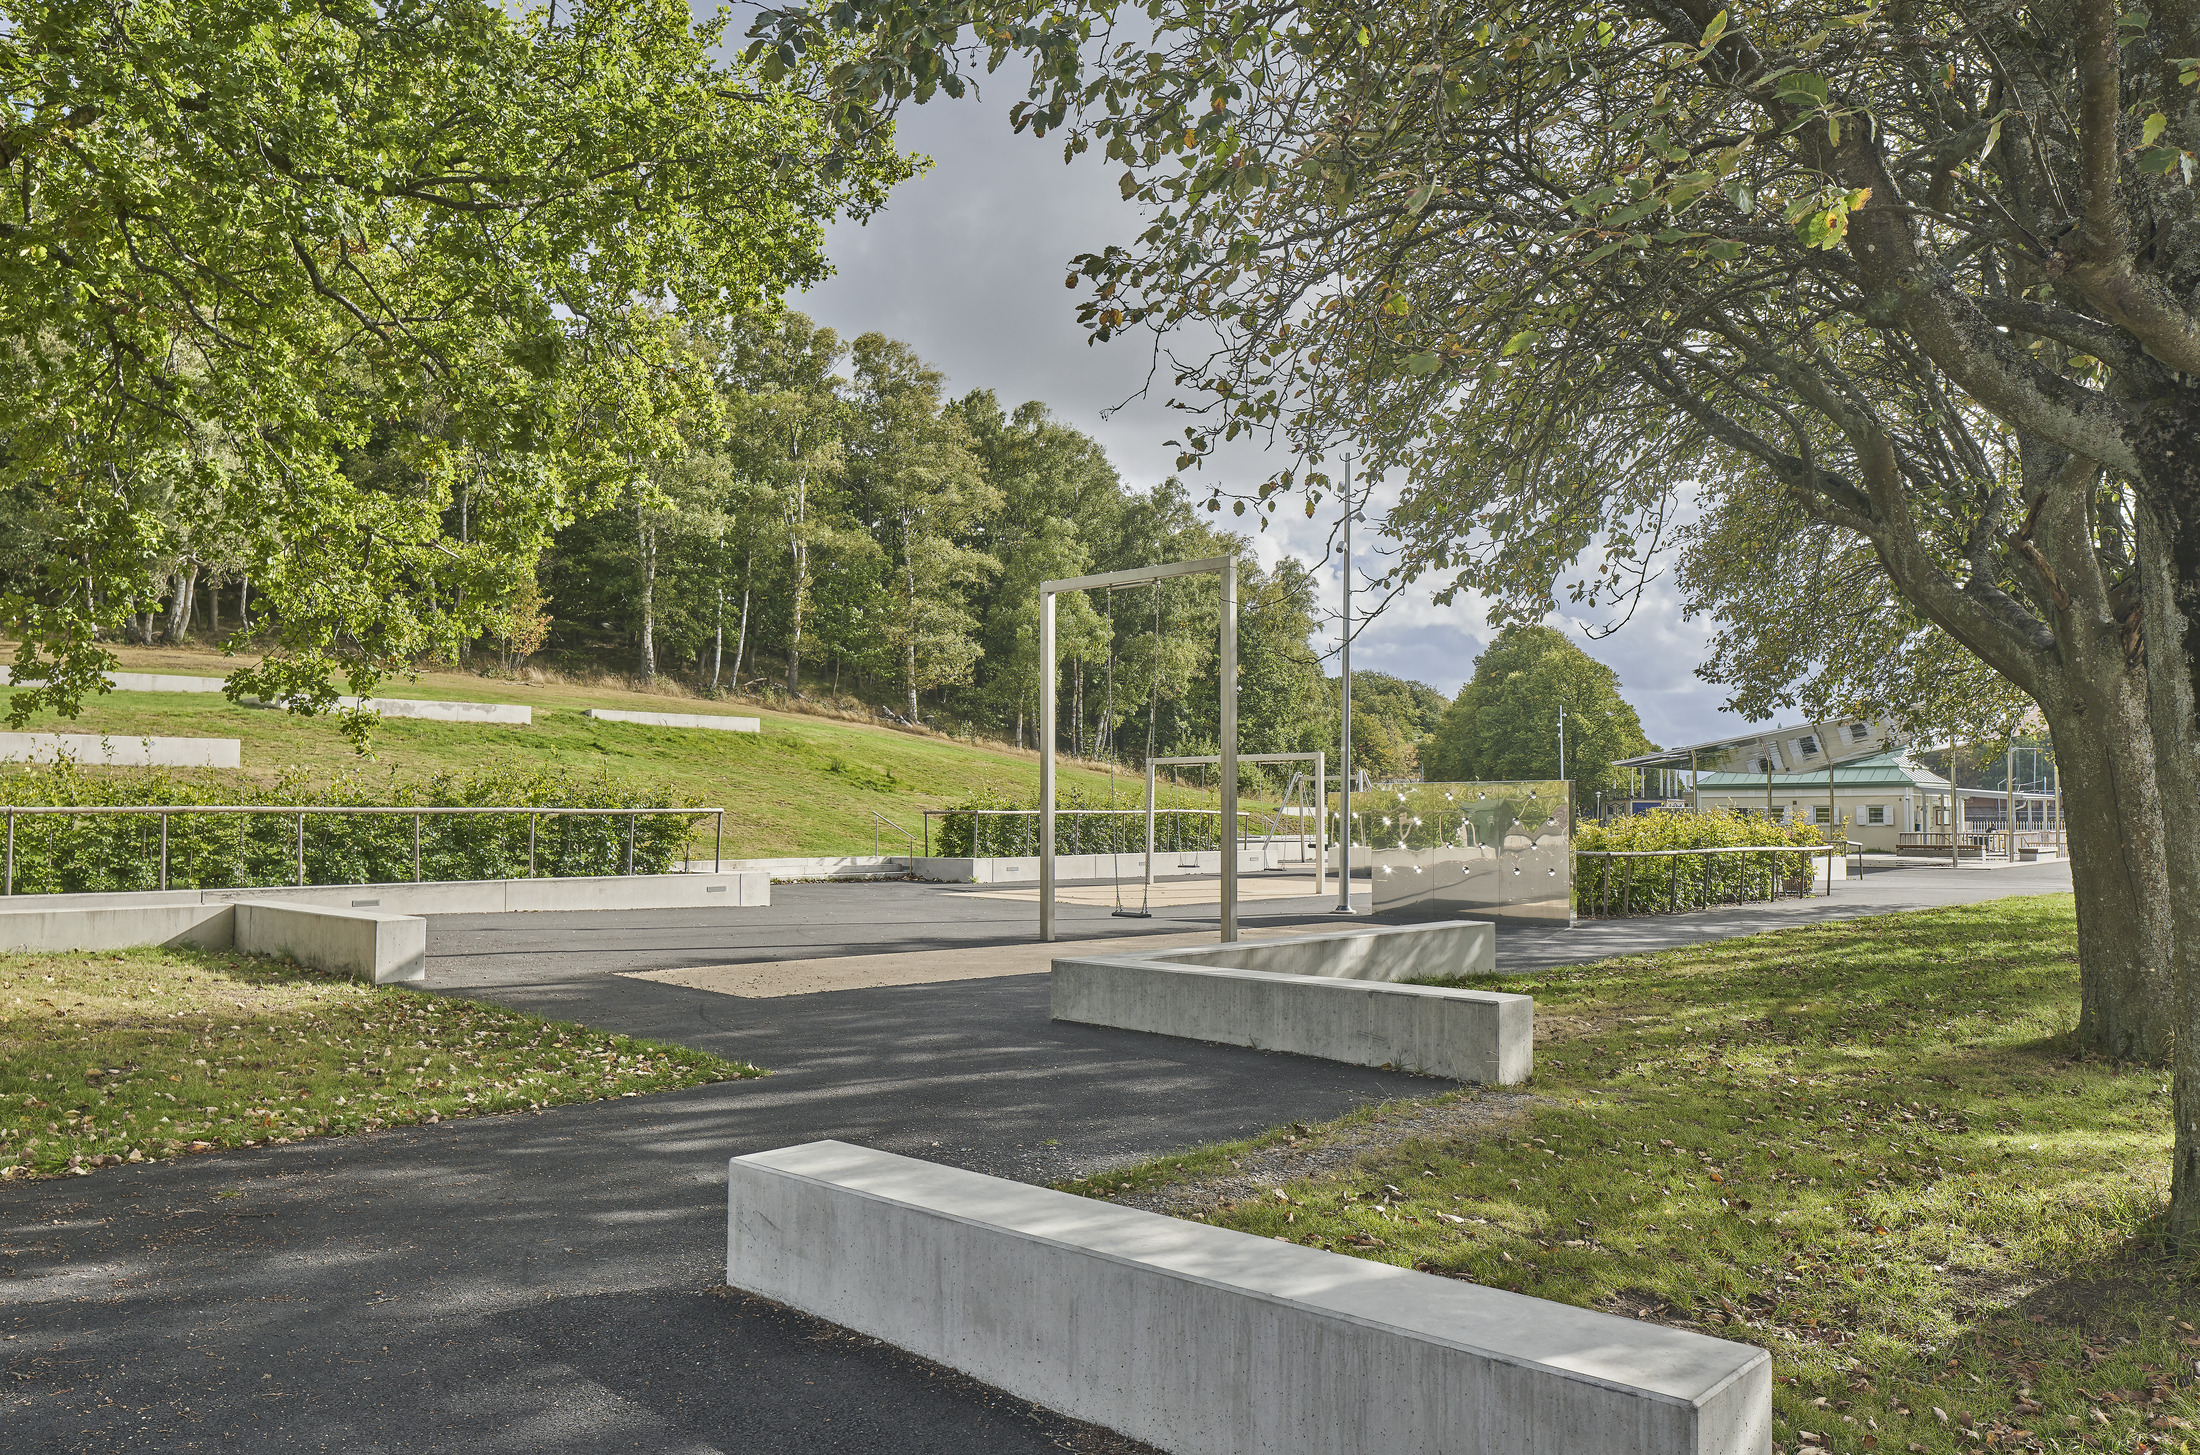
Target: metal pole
1149	821
1695	794
1955	850
11	852
164	851
416	848
1321	822
630	843
301	850
1229	754
532	820
718	844
2009	802
1046	766
1344	762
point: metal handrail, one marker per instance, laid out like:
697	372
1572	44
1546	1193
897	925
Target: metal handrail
879	819
535	813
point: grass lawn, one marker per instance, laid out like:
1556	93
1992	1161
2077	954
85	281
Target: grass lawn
1866	1146
134	1055
805	785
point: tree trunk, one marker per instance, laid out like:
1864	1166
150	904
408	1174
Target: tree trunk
2118	867
798	545
2169	565
909	618
213	609
646	543
244	603
741	642
180	604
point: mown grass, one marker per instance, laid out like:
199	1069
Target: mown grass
135	1055
805	785
1866	1146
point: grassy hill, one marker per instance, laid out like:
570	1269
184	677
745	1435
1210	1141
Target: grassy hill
805	785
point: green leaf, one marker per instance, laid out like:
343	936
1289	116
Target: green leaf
1418	364
2152	131
1742	197
1518	342
1714	30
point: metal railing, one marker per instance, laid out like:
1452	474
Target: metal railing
1750	872
1028	843
880	821
169	811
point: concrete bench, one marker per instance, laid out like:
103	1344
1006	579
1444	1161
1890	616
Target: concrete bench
1204	1341
1333	996
387	949
713	721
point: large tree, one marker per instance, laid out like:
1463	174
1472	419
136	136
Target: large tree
1925	270
1505	722
238	239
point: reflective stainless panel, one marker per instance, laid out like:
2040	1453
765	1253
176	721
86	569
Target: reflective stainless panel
1465	850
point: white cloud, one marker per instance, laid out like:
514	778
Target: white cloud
966	264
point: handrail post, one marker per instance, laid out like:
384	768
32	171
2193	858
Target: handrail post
532	820
301	851
164	851
416	847
11	853
718	844
630	843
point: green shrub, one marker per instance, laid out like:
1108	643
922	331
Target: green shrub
1649	886
80	853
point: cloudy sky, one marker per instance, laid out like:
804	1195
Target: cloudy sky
966	265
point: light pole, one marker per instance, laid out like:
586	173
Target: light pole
1562	750
1344	782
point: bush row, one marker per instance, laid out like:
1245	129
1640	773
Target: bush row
79	853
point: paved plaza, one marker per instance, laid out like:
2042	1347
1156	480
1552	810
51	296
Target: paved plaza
551	1282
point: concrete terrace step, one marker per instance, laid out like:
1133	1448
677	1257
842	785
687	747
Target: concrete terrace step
1205	1341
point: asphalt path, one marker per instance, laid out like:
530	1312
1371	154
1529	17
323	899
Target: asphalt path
552	1282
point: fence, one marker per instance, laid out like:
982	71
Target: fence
1668	881
1013	833
243	846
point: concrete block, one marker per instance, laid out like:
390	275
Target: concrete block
133	682
507	714
52	927
641	891
1203	1341
455	896
851	866
1331	996
680	720
119	752
1128	867
386	949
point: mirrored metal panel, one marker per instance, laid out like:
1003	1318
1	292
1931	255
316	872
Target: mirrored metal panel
1465	850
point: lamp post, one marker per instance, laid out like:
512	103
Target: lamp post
1344	781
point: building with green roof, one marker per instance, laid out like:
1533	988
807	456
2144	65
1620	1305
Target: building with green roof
1880	797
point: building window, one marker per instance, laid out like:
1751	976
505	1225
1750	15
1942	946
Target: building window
1823	813
1773	813
1764	765
1858	731
1876	813
1809	745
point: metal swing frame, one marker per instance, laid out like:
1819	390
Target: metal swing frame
1223	567
1227	840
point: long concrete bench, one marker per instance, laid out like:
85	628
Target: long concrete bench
1333	996
1204	1341
747	889
113	750
387	949
715	722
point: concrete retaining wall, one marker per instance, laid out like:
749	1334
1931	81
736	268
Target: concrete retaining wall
508	714
387	949
1330	996
462	896
1203	1341
850	866
1128	867
135	682
680	720
108	751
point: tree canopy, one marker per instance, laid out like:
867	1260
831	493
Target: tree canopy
1504	724
239	241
